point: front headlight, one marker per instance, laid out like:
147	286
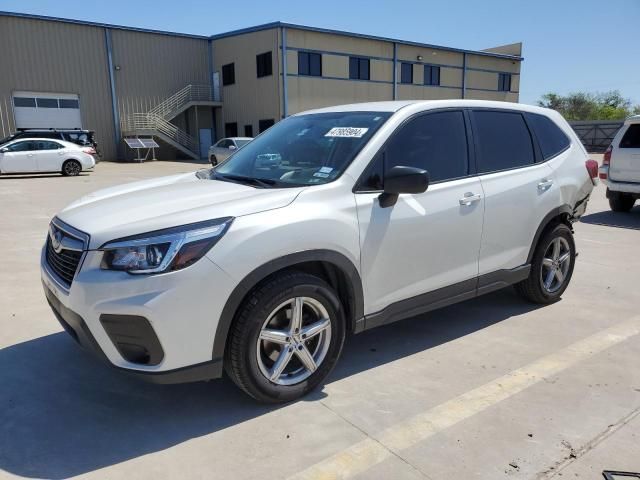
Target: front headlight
164	250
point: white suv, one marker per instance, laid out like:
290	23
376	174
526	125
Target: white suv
363	215
620	169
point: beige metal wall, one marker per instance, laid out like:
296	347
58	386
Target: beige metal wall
56	57
251	98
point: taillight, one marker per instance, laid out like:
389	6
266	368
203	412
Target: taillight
592	168
607	156
89	150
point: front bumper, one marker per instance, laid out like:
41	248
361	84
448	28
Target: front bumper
180	312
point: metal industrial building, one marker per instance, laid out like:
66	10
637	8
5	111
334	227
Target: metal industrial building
189	90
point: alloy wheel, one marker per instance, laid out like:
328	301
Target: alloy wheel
555	264
293	341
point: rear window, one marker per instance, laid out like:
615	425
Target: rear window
631	138
503	141
551	139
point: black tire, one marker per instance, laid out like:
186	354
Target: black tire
71	168
620	202
241	356
213	160
533	288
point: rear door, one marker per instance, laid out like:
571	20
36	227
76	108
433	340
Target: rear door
49	155
19	157
625	158
519	192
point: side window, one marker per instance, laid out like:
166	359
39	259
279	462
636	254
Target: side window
21	147
631	138
228	74
224	143
431	75
406	72
436	142
504	82
359	68
551	139
310	64
264	65
43	145
248	130
503	141
231	129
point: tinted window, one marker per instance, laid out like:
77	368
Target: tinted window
504	82
47	102
264	64
24	101
224	143
436	142
248	130
406	73
503	141
631	138
264	124
68	103
228	74
21	147
359	68
231	129
431	75
309	63
47	146
551	139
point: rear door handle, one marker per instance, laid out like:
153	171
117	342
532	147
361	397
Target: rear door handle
469	198
545	185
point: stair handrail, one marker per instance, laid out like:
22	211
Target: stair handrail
191	93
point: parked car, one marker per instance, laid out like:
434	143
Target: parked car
620	170
373	213
84	138
45	155
224	148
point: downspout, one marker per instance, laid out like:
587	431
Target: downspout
395	71
285	93
464	75
112	84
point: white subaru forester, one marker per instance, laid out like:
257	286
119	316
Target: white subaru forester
332	221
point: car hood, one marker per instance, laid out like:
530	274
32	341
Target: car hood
165	202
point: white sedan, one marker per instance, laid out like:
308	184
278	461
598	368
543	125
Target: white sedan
45	155
224	148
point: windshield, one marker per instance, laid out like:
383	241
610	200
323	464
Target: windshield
302	150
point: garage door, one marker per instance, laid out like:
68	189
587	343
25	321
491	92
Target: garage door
46	110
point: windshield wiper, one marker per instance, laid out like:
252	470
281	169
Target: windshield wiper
258	182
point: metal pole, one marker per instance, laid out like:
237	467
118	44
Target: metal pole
112	84
395	71
285	95
198	131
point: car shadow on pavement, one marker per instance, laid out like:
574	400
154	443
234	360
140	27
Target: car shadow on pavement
615	219
63	413
19	176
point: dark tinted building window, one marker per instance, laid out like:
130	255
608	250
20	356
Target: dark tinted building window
431	75
24	101
47	102
264	65
406	73
228	74
68	103
359	68
248	130
631	138
436	142
504	82
264	124
551	139
231	129
310	64
503	141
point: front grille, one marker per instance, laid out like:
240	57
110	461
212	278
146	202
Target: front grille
64	263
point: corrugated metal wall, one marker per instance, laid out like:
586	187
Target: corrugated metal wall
56	57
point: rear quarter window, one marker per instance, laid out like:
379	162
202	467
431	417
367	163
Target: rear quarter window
631	138
551	138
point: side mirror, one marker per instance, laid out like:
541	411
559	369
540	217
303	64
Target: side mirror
232	147
402	180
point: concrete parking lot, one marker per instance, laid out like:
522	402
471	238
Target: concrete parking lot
490	388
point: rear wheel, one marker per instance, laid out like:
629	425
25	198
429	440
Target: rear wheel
286	339
620	202
71	168
551	267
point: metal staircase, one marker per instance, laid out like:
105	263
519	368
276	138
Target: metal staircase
156	122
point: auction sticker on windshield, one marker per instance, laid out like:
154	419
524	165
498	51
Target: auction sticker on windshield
348	132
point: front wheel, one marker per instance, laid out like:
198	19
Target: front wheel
551	267
71	168
286	338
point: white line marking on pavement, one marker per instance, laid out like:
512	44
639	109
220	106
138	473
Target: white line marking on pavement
390	442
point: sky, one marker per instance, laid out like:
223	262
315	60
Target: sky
569	45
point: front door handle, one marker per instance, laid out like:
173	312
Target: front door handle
545	185
469	198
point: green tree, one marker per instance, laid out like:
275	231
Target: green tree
590	106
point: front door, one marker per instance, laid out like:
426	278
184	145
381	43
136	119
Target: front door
427	241
19	157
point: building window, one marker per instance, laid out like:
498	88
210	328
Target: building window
359	68
231	129
264	65
504	82
68	103
406	73
228	74
24	102
431	75
310	64
264	124
47	102
248	130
